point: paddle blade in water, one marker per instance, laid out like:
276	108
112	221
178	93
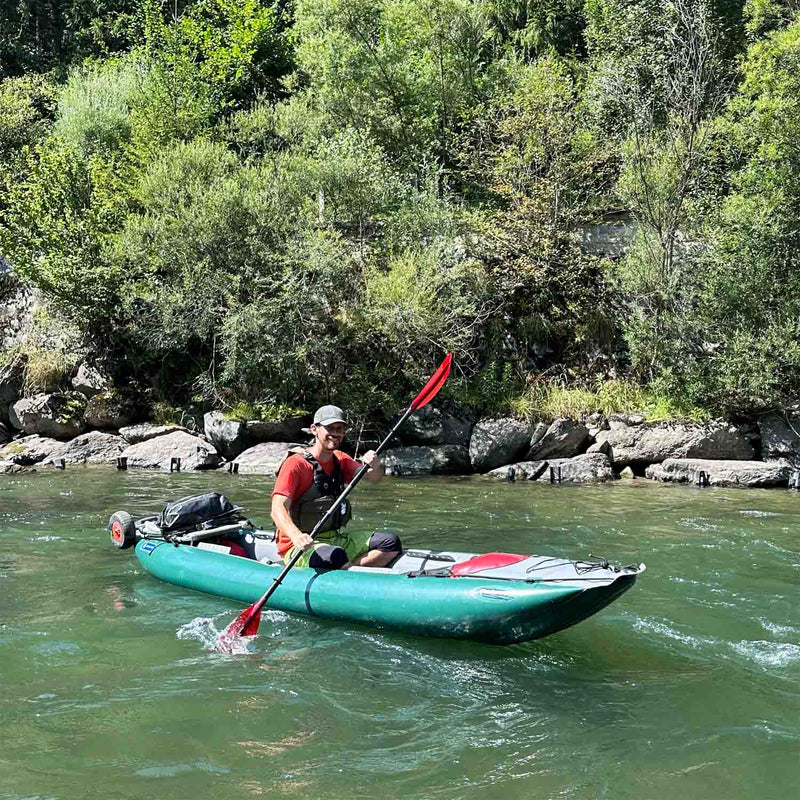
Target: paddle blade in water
246	624
431	388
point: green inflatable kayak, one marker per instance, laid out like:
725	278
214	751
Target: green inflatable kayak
499	598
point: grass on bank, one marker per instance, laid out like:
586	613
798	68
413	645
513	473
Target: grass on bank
548	400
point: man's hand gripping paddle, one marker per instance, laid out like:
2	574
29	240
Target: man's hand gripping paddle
246	624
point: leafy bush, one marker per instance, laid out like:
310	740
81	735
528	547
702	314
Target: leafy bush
58	230
94	108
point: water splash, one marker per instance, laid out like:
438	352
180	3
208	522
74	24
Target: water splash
205	631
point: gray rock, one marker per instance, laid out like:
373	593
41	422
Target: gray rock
289	429
495	442
59	415
780	436
457	426
446	459
539	430
585	468
595	423
111	410
10	468
563	439
600	445
89	381
93	447
627	473
521	471
720	472
633	440
263	458
423	427
432	426
157	453
133	434
9	393
29	450
228	436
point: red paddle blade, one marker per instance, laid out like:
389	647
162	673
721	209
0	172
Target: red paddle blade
431	388
246	624
251	628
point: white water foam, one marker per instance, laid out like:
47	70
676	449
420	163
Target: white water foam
662	629
203	630
755	513
769	654
779	630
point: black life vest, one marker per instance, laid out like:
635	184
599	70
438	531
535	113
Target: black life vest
312	506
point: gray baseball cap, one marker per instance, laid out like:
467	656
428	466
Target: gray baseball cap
327	415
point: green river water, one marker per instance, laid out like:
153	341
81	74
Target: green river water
688	686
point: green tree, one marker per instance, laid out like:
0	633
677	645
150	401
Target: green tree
751	300
407	71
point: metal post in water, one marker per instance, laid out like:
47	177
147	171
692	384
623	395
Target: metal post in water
122	462
233	468
175	464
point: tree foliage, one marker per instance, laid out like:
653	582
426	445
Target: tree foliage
247	201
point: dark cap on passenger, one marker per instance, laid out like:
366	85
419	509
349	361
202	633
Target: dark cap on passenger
327	415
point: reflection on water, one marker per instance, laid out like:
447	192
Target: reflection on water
112	686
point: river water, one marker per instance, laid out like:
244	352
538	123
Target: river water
687	685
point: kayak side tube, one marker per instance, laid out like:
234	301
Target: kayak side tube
480	609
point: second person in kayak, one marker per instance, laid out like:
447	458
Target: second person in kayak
309	480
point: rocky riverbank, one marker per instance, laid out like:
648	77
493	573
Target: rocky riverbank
92	425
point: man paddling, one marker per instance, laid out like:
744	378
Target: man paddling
308	482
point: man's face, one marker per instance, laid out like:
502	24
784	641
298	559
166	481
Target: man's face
329	436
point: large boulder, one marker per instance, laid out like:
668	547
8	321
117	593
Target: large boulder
111	410
720	472
263	458
58	415
29	449
584	468
286	429
446	459
10	468
133	434
9	393
495	442
520	471
780	436
229	436
89	380
433	426
93	447
563	439
634	441
157	453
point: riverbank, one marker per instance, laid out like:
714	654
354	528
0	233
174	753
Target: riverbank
57	429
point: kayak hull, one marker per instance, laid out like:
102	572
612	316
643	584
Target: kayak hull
471	607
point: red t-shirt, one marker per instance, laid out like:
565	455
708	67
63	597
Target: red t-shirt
296	477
